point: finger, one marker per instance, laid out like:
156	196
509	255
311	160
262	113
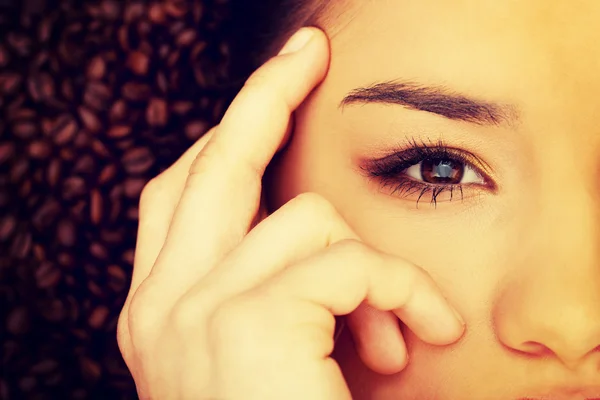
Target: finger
223	188
304	225
348	273
157	205
378	339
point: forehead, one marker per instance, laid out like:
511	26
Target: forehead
507	50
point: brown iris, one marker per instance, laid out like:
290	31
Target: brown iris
442	171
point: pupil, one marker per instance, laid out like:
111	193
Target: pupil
437	170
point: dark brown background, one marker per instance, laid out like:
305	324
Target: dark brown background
96	98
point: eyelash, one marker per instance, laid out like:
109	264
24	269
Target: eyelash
389	169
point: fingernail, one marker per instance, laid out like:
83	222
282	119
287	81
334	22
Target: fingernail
297	41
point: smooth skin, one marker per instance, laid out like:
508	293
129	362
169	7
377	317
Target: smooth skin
227	302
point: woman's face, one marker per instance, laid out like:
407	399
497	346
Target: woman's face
493	109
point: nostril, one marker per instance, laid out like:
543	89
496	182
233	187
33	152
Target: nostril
536	349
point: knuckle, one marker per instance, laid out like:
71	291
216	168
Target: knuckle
315	204
141	317
233	316
150	193
184	317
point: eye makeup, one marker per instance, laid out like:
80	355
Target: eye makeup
429	170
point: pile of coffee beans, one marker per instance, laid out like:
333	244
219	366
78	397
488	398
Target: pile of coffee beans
96	98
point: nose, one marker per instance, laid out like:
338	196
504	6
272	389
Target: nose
549	305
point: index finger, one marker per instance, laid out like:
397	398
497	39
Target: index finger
223	189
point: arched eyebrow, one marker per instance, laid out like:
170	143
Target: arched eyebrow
435	99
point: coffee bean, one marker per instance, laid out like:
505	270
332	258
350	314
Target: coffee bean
138	62
7	151
66	233
134	11
119	131
21	245
156	13
98	317
96	207
9	83
44	367
99	148
133	187
4	56
96	96
64	130
46	214
45	29
182	107
47	275
138	160
20	43
25	130
118	111
195	129
18	170
135	91
73	187
186	38
18	321
157	113
89	119
117	278
85	165
99	251
54	310
175	9
41	87
67	90
39	149
8	223
107	174
91	372
96	68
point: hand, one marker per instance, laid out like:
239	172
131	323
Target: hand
227	302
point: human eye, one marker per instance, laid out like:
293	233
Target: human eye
431	171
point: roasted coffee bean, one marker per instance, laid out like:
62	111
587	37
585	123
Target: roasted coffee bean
25	130
96	207
135	91
8	223
4	56
138	160
96	96
47	275
138	62
157	112
7	151
73	187
41	87
195	129
107	174
66	233
96	68
119	131
46	214
18	321
39	149
18	170
89	119
64	130
118	111
21	245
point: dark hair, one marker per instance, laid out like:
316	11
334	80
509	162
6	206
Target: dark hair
261	27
